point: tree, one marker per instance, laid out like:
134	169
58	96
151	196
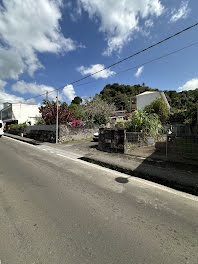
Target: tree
78	110
49	112
77	100
64	105
120	95
160	108
97	110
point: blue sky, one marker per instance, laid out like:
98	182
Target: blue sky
47	44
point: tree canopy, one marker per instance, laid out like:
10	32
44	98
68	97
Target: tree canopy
160	108
77	100
120	95
49	112
184	106
97	110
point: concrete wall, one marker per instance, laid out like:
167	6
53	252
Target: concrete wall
76	133
144	99
41	127
25	113
42	133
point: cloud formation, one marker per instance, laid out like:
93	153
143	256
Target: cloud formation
11	98
182	12
189	85
118	20
69	92
94	68
34	89
28	27
2	84
139	71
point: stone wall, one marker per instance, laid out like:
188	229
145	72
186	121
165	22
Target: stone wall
120	141
111	140
67	133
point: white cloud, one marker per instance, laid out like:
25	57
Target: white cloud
28	27
34	89
149	23
69	92
182	12
11	98
95	68
2	84
120	19
189	85
139	71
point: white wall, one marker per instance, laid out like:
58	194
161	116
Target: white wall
25	113
142	100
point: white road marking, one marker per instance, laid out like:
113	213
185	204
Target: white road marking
129	177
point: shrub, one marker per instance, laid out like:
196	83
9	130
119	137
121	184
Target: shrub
18	127
140	121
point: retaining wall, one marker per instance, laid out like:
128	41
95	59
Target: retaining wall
67	133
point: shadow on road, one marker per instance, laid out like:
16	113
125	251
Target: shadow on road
154	167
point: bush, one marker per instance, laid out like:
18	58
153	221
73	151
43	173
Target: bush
120	124
17	126
160	108
39	120
140	121
17	129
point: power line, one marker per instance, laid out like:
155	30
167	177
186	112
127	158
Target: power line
124	59
150	61
127	69
137	53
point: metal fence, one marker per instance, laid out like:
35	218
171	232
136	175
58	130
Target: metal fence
136	138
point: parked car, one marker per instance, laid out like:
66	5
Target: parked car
1	128
96	136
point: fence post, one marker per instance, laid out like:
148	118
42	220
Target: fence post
125	141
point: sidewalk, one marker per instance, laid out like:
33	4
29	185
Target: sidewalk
180	176
176	175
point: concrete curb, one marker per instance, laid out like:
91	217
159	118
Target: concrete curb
24	139
167	177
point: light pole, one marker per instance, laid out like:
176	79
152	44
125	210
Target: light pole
57	117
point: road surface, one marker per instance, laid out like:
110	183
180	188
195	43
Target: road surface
58	209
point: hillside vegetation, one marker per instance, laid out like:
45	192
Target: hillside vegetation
183	104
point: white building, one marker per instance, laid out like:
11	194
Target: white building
146	98
19	113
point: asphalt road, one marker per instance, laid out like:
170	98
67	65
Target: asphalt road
56	209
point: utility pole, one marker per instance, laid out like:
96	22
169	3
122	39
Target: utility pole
46	96
57	117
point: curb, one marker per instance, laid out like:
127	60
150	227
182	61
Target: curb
23	139
146	174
